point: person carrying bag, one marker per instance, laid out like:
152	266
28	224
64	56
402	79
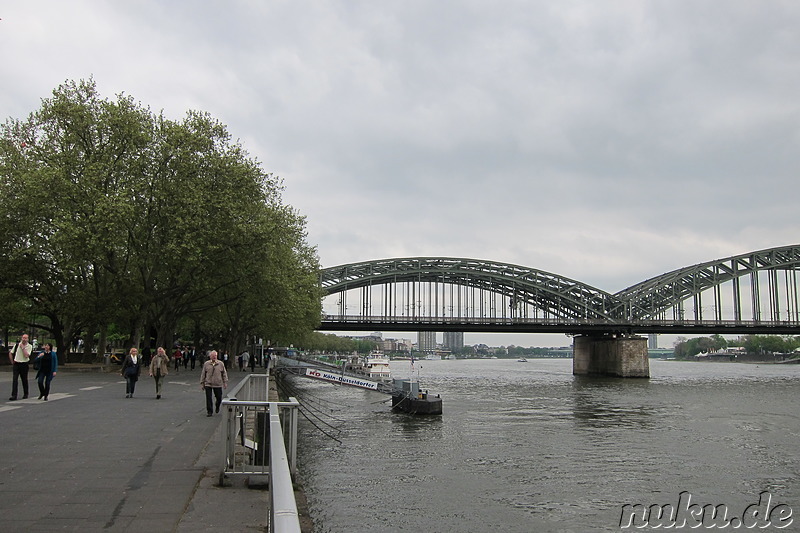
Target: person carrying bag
131	368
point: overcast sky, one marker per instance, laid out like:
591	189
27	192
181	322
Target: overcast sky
608	142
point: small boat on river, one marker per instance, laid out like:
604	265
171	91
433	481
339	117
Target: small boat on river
408	398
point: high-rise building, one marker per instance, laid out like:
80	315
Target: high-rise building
652	341
426	341
453	340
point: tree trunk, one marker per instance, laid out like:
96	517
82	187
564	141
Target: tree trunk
196	337
88	341
62	345
166	335
136	334
101	344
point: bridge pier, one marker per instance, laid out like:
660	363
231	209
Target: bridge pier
606	355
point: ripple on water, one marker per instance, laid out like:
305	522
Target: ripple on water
536	449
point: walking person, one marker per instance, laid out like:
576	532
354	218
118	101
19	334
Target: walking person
20	357
159	366
192	356
251	362
177	355
47	363
213	379
130	371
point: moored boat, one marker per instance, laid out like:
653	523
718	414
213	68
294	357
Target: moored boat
374	366
408	398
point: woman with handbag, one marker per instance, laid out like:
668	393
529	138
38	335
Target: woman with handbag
130	371
158	369
46	365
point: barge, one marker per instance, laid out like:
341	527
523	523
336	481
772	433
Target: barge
408	398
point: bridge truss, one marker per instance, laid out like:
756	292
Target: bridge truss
749	293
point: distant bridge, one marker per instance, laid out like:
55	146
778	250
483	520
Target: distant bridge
755	292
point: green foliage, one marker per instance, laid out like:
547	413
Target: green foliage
521	351
753	344
119	216
330	343
759	344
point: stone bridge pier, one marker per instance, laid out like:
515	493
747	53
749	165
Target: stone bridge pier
610	355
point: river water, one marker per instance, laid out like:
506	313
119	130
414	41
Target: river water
528	447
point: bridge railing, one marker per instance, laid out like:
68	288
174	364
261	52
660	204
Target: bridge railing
556	325
260	439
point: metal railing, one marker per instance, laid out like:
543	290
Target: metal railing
260	439
574	325
283	514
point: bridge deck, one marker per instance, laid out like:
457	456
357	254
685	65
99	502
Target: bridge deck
558	326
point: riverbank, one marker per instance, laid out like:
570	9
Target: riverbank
765	359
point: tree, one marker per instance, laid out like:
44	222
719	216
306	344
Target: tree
769	344
119	216
688	348
68	167
718	342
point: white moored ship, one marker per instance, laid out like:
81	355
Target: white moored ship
377	366
374	366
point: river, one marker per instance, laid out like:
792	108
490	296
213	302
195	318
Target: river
528	447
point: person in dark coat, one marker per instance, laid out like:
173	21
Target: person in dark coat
131	368
47	363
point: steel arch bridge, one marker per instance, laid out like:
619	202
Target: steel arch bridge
755	292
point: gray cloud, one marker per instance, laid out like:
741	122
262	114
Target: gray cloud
605	141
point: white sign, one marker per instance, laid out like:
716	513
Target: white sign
338	378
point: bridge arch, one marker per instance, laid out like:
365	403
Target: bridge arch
749	276
754	292
520	288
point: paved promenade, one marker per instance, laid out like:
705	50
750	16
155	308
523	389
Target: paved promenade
90	459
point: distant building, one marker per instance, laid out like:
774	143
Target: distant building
481	349
426	341
373	337
396	345
453	340
652	341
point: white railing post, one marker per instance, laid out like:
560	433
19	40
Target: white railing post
283	507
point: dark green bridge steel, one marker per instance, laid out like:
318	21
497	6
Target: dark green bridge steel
755	292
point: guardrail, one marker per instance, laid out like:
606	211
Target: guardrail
556	325
260	439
